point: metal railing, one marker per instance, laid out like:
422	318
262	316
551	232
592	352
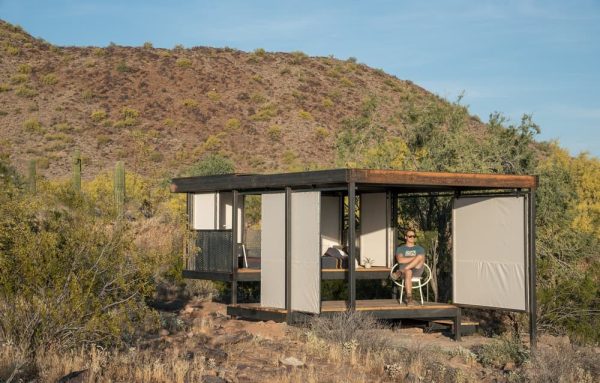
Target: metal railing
212	251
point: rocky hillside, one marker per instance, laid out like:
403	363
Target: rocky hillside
160	110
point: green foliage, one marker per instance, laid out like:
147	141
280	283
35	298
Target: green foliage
210	165
67	277
183	62
265	113
33	125
122	67
98	115
147	45
32	177
507	349
305	115
26	92
49	79
190	103
19	78
274	132
233	124
213	95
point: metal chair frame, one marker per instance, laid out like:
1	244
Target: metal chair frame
417	282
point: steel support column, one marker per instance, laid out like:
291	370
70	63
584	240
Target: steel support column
351	246
288	255
532	274
234	247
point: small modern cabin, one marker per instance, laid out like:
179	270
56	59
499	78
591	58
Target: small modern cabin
303	214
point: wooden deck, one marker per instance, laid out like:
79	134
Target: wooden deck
379	308
246	275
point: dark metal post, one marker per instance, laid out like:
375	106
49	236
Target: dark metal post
351	246
288	254
532	274
457	324
234	247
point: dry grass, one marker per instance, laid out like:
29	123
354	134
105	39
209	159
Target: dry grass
101	366
561	361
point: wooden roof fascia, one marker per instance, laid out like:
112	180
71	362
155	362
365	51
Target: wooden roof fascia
324	178
258	182
452	180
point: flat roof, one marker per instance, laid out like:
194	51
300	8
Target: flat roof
365	178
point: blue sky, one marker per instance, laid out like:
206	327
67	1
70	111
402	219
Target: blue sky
515	57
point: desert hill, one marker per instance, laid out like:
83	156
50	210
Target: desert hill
160	110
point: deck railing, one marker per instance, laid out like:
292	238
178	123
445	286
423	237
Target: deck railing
213	251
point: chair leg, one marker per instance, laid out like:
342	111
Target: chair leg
401	292
421	292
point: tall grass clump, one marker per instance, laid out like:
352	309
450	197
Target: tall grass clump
351	328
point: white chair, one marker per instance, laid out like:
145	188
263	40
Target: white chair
417	282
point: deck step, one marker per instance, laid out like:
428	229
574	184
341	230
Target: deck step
466	327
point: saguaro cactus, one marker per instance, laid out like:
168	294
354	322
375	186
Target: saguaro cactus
76	178
119	185
32	178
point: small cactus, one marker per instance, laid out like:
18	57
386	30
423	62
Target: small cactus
119	185
76	178
32	179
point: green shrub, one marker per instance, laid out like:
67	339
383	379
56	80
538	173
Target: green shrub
321	133
156	157
190	103
25	91
12	50
183	62
24	68
213	95
506	349
129	113
327	102
99	52
4	88
298	57
260	52
122	67
265	113
303	114
19	78
33	125
257	78
233	124
98	115
49	79
148	45
274	132
211	164
102	140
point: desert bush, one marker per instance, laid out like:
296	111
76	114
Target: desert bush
200	288
210	165
213	95
24	68
232	124
564	362
147	45
33	125
122	67
49	79
98	115
327	102
321	133
4	88
305	115
190	103
348	328
265	113
298	57
129	118
25	91
68	277
506	349
274	132
183	62
19	78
